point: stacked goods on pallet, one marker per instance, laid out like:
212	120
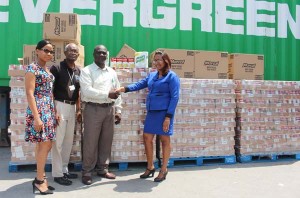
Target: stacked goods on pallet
60	29
205	118
268	116
22	152
128	137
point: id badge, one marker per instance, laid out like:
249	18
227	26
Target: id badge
72	87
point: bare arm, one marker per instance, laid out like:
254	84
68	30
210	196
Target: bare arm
121	89
78	109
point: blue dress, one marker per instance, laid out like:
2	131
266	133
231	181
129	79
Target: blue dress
45	106
161	102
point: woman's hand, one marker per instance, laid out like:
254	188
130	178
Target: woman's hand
78	116
121	89
166	125
38	125
57	118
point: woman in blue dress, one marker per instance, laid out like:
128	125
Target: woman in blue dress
163	94
40	114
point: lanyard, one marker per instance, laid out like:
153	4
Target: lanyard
71	78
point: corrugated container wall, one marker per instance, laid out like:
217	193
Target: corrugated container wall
269	27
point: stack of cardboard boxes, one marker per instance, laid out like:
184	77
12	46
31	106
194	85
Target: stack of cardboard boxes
268	115
61	29
200	64
203	126
128	137
215	65
124	59
205	119
128	58
22	152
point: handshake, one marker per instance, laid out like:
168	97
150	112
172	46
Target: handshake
114	94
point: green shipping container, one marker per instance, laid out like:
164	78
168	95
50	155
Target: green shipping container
268	27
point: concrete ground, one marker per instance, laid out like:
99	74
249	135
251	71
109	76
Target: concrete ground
260	180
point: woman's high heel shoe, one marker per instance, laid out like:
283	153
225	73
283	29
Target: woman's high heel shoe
34	187
147	173
49	187
159	179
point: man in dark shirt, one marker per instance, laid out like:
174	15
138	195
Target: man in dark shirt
67	104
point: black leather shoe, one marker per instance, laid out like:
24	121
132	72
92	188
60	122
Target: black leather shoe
71	175
87	180
63	181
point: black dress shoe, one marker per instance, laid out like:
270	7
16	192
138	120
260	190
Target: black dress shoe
87	180
71	175
63	181
107	175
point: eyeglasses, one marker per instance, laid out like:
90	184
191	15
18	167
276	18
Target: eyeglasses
47	51
156	61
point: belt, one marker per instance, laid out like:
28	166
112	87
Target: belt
67	101
101	104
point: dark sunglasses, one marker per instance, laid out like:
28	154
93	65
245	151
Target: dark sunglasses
47	51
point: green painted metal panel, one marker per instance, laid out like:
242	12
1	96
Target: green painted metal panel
268	27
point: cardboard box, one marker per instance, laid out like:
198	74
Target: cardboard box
211	65
59	47
182	61
126	52
62	26
246	66
29	54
